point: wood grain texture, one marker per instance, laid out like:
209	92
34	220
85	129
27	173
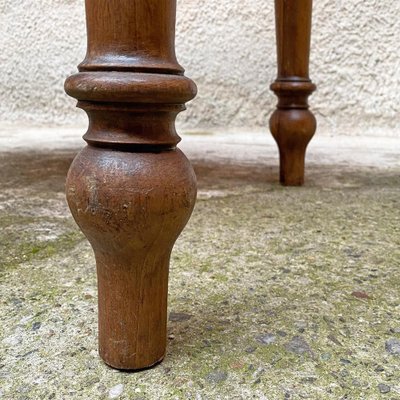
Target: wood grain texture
293	125
130	190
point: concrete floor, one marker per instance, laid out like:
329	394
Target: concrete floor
275	293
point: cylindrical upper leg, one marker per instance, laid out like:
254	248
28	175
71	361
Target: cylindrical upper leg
293	36
131	35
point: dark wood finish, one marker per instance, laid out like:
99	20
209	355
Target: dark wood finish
130	190
292	124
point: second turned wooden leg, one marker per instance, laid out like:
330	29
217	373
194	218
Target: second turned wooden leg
292	124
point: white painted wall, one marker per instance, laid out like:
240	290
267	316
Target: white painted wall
228	48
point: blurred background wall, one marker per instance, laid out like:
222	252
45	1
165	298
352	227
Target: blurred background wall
228	48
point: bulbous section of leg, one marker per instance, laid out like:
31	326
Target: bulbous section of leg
292	129
132	208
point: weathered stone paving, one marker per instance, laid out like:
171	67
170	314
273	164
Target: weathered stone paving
275	293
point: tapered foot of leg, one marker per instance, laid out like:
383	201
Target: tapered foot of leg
293	130
132	207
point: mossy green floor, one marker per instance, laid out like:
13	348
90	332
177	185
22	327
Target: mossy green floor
275	293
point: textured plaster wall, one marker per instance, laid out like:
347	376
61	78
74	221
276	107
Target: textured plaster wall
228	48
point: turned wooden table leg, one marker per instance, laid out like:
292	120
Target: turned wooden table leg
292	124
130	190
